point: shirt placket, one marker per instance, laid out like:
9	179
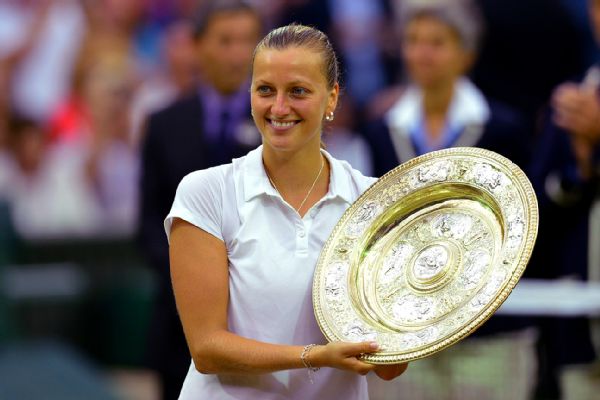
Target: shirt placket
303	229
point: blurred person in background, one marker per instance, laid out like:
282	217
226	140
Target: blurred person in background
129	20
176	79
44	187
356	28
112	160
565	172
207	128
442	108
93	125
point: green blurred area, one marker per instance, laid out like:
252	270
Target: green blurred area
95	295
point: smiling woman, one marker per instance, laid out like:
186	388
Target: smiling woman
245	238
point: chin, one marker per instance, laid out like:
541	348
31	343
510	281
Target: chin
280	145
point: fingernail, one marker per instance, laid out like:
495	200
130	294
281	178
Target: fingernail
374	346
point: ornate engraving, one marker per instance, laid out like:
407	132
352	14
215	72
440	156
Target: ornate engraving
430	262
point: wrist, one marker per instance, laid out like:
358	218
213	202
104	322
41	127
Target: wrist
316	356
305	357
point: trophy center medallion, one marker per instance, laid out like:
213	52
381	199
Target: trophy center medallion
430	262
433	266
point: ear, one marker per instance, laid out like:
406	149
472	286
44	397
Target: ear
333	98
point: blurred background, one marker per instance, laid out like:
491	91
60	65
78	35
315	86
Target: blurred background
92	94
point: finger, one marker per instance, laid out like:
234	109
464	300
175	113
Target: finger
358	366
355	349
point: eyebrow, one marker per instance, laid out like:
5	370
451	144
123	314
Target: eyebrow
293	83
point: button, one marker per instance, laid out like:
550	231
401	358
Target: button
301	233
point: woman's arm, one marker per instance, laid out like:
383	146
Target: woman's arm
199	271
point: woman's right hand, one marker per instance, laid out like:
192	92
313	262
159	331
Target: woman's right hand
343	355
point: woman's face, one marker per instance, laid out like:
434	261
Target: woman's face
290	97
432	53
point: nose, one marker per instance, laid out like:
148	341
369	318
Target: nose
280	106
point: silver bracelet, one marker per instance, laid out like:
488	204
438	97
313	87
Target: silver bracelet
306	362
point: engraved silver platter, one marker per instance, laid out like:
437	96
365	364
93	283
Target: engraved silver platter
427	254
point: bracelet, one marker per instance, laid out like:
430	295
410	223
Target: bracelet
306	362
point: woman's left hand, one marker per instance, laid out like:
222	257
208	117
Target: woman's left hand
389	372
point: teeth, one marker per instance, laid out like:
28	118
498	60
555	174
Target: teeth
281	124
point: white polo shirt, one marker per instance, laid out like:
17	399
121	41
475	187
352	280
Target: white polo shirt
272	256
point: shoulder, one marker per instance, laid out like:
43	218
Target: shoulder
199	200
211	180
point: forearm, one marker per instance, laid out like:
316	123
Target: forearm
223	352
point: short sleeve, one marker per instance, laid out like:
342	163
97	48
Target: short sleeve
199	201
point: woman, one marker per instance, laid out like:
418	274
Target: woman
441	108
245	237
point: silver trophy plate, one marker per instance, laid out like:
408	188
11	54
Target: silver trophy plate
427	254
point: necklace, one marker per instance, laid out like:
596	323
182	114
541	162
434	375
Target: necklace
309	190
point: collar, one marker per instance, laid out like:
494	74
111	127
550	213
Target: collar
256	182
468	107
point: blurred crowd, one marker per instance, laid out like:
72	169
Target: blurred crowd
79	78
100	102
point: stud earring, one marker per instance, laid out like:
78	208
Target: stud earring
329	117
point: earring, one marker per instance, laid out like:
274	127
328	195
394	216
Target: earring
329	117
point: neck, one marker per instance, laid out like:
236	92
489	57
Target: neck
436	100
293	171
301	178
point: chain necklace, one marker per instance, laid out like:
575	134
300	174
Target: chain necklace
309	190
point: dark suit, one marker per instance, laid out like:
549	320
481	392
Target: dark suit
174	146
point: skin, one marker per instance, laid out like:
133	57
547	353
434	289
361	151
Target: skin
435	60
225	49
287	85
576	109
